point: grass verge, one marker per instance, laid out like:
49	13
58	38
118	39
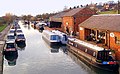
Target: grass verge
2	27
109	12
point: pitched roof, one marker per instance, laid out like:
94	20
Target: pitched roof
58	16
72	12
109	22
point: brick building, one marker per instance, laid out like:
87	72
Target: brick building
56	20
74	17
104	30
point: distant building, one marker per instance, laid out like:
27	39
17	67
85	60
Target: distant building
103	30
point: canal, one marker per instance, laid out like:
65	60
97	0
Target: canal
38	58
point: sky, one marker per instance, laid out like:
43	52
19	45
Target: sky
34	7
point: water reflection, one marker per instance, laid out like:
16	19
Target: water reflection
25	26
20	49
11	57
55	49
64	49
28	27
88	67
21	45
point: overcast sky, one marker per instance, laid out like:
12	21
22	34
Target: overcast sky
34	7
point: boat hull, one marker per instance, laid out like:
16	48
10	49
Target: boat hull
51	44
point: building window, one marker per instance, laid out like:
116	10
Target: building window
117	40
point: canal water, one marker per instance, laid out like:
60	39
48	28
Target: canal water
38	58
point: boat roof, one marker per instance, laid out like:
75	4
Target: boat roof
19	29
42	23
58	32
94	47
10	41
10	34
12	29
49	32
20	33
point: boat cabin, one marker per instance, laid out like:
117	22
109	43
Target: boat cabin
63	36
20	37
50	37
10	37
10	46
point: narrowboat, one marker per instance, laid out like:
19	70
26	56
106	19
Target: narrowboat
10	46
63	36
50	38
12	31
94	55
10	37
11	57
20	39
19	31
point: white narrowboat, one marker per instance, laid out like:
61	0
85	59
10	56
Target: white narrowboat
51	38
63	36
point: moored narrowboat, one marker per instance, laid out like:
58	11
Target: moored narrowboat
50	38
94	55
10	46
63	36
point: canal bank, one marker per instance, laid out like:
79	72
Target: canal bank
2	42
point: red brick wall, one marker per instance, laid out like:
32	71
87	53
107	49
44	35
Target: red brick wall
82	33
112	41
115	46
78	18
70	21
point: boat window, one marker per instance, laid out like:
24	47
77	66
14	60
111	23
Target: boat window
103	55
11	37
11	31
10	45
19	30
54	37
20	37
